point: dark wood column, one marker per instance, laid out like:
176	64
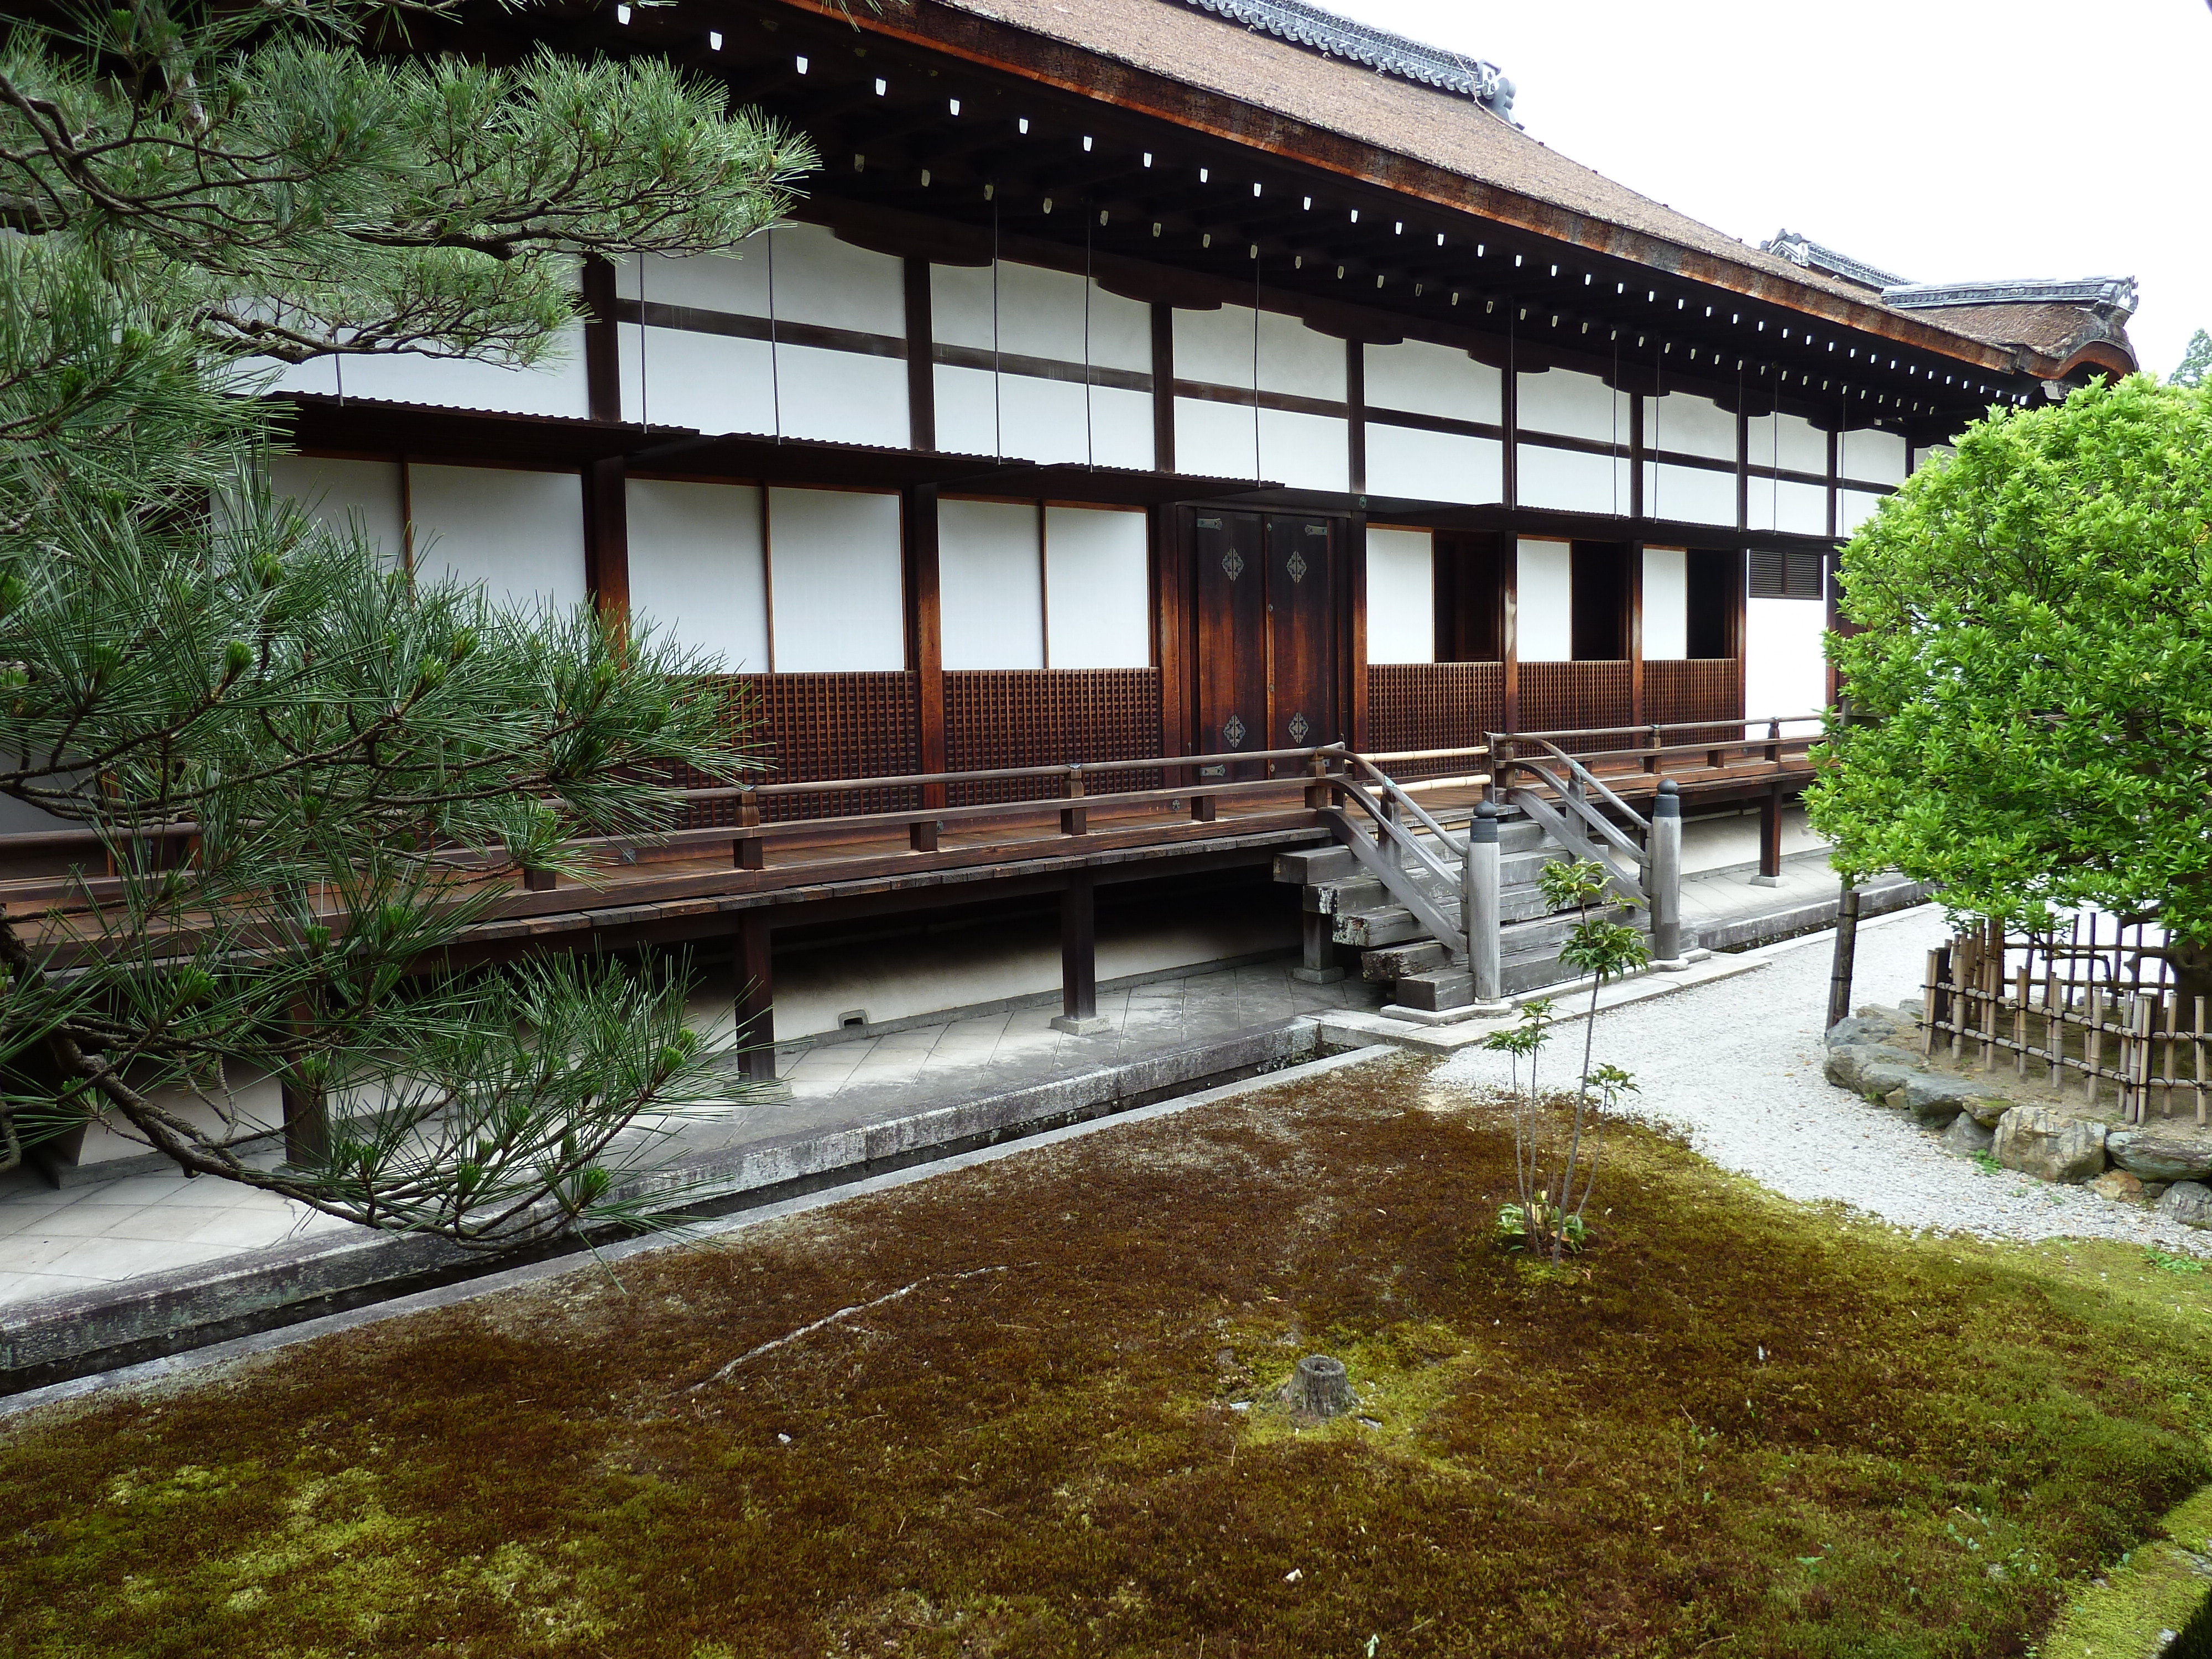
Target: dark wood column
1635	633
1636	455
1769	834
925	629
1509	575
606	535
1164	443
755	995
1835	462
1170	627
602	343
1355	401
920	358
1508	418
1743	469
1356	629
1078	956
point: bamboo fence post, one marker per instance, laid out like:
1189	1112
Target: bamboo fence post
2054	1025
2198	1045
2093	1045
1932	1009
1992	978
1960	950
2173	1019
2020	1027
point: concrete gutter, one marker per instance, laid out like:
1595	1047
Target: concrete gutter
61	1337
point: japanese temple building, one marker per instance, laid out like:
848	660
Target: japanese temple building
1140	378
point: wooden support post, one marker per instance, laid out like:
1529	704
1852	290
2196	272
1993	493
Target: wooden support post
1480	910
307	1107
1203	808
922	834
925	632
756	996
1665	872
1074	820
749	851
1770	837
1079	957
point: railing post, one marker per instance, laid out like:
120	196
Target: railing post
1666	878
1387	843
750	852
1074	820
1479	907
1317	792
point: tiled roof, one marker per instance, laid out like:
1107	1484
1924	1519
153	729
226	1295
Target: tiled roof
2115	294
1379	48
1802	250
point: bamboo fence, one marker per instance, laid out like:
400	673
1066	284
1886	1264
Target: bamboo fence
2090	1007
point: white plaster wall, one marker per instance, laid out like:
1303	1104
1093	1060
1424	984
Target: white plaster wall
1045	420
1215	440
842	396
1854	507
834	571
1040	315
1435	467
518	534
1785	670
735	283
1544	600
1801	508
1311	451
709	381
346	496
555	385
695	569
819	279
1570	481
1787	442
1425	379
1300	361
1401	598
1690	494
1214	346
990	584
1690	426
1574	405
1666	603
1871	456
1097	587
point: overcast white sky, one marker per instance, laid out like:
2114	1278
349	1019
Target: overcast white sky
1942	139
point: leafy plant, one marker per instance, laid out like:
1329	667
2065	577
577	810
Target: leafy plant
1549	1216
2031	680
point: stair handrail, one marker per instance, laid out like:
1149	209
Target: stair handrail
1367	850
1573	819
1582	774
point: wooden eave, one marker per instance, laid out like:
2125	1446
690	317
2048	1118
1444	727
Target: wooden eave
1003	48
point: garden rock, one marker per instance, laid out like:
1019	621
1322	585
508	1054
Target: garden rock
1847	1064
1866	1026
2119	1185
2163	1152
1934	1099
2050	1145
2189	1202
1966	1135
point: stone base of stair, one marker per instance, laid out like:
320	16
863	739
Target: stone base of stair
1317	976
1446	1016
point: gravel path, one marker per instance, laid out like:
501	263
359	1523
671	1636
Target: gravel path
1735	1066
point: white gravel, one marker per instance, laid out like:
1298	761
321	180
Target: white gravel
1735	1066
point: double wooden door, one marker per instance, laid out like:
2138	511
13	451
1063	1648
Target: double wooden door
1268	616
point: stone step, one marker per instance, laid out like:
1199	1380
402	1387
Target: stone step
1317	864
1393	962
1516	889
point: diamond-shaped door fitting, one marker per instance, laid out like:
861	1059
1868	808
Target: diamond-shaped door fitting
1296	567
1232	732
1298	728
1232	564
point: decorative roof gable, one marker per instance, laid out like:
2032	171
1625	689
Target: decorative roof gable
1391	54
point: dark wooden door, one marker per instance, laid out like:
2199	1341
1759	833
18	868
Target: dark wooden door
1302	652
1226	549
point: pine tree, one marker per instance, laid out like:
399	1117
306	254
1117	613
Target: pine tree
308	775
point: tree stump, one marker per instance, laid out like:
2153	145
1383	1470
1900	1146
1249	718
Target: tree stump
1319	1387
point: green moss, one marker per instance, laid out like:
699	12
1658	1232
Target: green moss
1734	1425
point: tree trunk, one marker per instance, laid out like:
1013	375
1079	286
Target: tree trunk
2193	976
1319	1387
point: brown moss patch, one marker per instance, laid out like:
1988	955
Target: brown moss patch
1737	1427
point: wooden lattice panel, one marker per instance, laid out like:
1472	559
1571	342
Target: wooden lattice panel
1050	717
803	726
1693	689
1432	705
1571	696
